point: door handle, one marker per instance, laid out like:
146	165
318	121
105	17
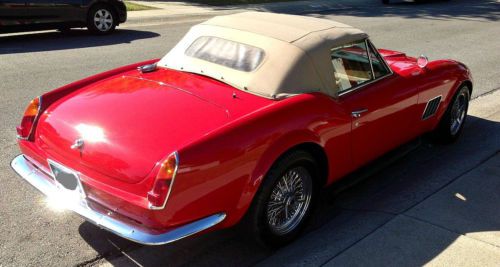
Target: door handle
357	113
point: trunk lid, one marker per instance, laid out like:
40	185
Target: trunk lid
130	122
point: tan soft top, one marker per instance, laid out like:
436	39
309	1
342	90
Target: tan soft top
297	52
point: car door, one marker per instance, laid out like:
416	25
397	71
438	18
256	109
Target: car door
53	11
383	110
12	13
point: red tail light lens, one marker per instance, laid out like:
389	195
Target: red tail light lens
162	186
25	128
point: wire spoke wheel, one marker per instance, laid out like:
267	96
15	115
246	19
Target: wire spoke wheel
103	20
452	122
289	200
458	113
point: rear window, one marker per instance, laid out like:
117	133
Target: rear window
227	53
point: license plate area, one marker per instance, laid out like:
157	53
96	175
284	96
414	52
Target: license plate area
67	181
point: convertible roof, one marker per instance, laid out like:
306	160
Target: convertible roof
287	28
296	52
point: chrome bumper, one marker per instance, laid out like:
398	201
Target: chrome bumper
42	182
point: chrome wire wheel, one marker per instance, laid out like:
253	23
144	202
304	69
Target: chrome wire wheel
103	20
289	200
458	112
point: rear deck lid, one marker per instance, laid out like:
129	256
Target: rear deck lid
127	125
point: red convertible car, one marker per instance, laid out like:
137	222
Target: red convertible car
245	119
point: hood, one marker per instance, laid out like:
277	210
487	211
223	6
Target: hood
132	121
400	62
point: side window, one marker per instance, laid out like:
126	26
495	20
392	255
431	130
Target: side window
351	65
379	67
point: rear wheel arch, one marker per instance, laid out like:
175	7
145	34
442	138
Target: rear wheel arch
255	224
301	140
319	155
263	168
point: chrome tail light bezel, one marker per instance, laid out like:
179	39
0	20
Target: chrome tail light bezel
175	154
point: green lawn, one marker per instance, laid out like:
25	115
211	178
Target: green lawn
136	7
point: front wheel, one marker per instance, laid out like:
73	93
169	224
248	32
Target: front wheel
451	124
101	19
284	200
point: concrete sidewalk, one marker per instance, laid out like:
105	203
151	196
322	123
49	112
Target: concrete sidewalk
180	11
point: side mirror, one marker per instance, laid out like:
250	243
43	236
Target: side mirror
422	61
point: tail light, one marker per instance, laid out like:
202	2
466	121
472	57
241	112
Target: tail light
162	186
25	129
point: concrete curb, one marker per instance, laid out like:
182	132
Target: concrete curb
177	18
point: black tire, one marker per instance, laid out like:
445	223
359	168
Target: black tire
257	225
445	131
105	26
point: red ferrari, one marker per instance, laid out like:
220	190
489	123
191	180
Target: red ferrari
245	119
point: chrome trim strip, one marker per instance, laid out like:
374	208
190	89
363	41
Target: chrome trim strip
357	113
21	138
426	105
380	56
352	89
43	182
369	58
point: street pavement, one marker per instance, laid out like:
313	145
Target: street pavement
436	205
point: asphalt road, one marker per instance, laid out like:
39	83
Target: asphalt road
30	64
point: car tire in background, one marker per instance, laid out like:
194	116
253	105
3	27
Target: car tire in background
452	123
289	188
101	19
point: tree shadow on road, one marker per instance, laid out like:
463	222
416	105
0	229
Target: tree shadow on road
53	40
430	9
438	10
390	188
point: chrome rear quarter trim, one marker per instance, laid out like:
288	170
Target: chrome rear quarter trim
43	182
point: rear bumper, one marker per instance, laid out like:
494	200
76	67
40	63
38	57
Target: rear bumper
45	184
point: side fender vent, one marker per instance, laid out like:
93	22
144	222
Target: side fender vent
431	107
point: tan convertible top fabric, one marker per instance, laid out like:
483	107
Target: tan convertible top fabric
297	52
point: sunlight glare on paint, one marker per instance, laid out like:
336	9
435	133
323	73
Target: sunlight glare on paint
90	133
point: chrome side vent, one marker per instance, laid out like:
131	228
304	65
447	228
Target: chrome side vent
431	107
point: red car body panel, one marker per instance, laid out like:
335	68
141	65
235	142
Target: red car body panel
227	139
